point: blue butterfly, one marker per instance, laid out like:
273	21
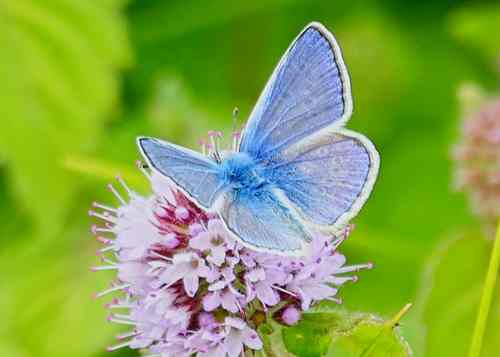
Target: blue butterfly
296	170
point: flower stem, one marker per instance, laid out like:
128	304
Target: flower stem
484	307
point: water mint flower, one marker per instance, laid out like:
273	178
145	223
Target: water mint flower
290	315
186	287
477	159
239	334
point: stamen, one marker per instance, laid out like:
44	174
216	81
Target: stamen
350	268
203	146
104	207
158	255
337	242
95	229
108	261
123	316
123	322
124	185
115	192
111	290
284	290
117	304
209	149
236	140
123	336
104	240
335	299
215	140
117	347
104	267
106	249
343	279
104	216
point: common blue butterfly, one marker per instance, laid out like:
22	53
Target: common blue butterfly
296	170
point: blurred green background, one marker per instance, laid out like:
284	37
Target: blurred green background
79	80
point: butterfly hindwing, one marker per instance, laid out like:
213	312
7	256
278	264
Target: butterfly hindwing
196	174
327	178
308	91
260	220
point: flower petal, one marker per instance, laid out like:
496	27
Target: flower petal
191	283
251	339
211	301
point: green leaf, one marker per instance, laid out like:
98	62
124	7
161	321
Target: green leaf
58	65
476	27
102	169
450	294
337	332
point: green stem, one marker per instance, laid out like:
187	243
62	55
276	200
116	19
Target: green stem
484	307
268	349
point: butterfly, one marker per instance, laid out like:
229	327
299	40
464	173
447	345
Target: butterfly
295	170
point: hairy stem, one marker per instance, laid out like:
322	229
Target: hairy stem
484	307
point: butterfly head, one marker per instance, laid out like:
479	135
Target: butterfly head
240	172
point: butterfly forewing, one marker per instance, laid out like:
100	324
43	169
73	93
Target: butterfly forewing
196	174
308	91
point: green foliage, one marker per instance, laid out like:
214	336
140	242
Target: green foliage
452	287
61	85
336	332
476	28
58	66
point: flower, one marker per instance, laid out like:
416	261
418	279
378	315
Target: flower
238	334
188	288
477	159
290	315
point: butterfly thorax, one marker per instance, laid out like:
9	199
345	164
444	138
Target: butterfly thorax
243	174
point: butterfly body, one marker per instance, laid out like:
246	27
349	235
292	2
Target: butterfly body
241	173
296	170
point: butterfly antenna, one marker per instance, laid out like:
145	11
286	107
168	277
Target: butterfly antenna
236	111
236	132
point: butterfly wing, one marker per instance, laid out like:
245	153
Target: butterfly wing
327	179
196	174
261	221
324	172
308	91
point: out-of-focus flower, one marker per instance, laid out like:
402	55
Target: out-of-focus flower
187	287
477	159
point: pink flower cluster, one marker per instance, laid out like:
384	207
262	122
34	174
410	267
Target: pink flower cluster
187	288
477	160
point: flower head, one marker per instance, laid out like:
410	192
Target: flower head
190	288
477	159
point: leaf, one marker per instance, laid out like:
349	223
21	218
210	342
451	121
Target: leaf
58	65
475	27
102	169
52	312
450	293
336	332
